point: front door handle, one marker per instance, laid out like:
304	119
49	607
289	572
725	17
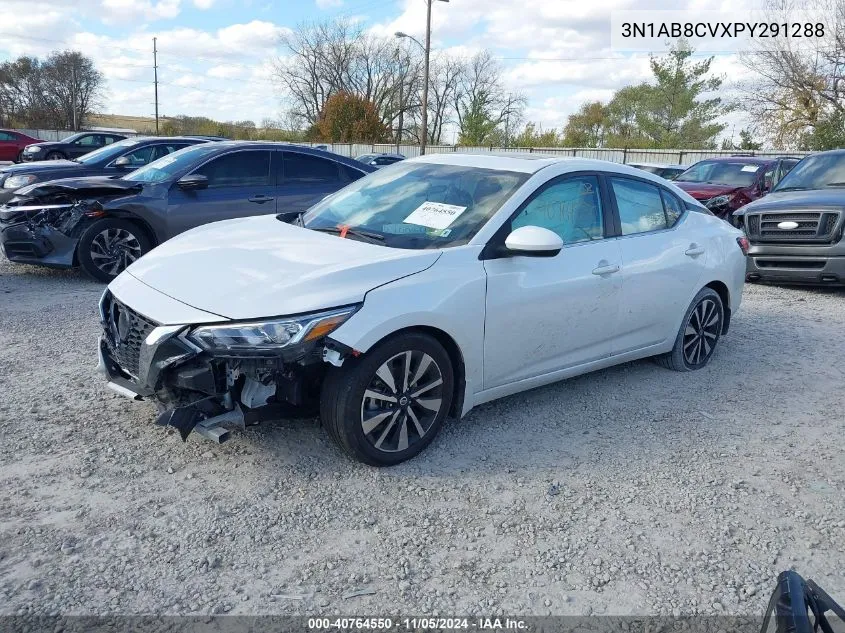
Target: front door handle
261	199
605	268
694	250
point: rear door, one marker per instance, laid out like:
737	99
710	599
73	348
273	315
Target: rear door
662	262
305	179
239	185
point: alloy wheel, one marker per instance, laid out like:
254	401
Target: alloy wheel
402	401
112	250
702	332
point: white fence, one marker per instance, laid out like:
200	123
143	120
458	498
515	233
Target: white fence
616	155
667	156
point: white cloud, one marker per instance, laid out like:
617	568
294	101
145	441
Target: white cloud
125	11
226	71
328	4
203	4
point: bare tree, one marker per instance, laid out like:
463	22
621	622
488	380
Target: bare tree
798	88
481	102
72	87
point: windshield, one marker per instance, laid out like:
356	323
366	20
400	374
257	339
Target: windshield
735	174
816	172
168	166
107	152
418	205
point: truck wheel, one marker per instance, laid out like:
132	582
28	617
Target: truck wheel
388	405
699	333
108	246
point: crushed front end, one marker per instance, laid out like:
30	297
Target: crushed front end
212	378
43	223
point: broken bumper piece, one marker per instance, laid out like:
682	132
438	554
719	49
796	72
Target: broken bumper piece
198	391
44	245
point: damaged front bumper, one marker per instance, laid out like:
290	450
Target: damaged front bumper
199	391
41	235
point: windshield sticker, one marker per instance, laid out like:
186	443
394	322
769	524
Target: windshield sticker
751	168
435	215
402	229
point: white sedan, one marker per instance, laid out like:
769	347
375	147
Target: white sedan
420	291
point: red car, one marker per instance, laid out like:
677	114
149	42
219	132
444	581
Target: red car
723	185
12	143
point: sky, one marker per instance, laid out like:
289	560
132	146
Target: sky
216	57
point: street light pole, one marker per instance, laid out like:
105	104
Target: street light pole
427	51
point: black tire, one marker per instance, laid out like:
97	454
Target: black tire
699	334
345	408
54	155
19	158
110	241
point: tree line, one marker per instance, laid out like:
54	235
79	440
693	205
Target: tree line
59	92
344	84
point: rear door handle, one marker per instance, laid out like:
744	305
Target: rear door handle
605	269
694	250
261	199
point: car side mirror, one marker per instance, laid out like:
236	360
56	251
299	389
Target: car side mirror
533	241
192	182
121	162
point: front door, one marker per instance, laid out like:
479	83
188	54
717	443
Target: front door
544	314
239	185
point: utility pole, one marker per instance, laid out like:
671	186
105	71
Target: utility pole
155	79
401	100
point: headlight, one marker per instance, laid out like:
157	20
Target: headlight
16	182
717	201
271	334
33	149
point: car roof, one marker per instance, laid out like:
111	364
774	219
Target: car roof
661	165
221	146
522	162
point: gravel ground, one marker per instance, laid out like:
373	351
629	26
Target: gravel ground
635	490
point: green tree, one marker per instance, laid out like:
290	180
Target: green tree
347	118
587	127
674	112
532	136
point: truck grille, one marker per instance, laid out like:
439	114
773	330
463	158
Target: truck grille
812	227
125	331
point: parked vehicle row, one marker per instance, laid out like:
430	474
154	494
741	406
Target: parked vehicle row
104	223
380	159
71	147
421	291
669	172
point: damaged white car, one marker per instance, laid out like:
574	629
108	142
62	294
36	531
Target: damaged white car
420	291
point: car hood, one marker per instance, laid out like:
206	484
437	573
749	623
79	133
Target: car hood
704	190
46	144
258	267
786	200
34	168
89	186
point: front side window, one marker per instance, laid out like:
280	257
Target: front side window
733	173
238	169
307	169
169	166
7	136
422	205
106	154
141	156
640	206
89	140
571	208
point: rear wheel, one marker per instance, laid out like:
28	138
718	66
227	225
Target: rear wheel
55	156
386	407
19	157
699	333
110	245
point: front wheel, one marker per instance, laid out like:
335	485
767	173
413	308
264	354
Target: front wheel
110	245
699	333
55	156
387	406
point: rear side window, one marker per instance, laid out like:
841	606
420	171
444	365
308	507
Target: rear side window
307	169
7	136
164	150
238	169
673	207
640	206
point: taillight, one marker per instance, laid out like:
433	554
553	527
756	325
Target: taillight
744	244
